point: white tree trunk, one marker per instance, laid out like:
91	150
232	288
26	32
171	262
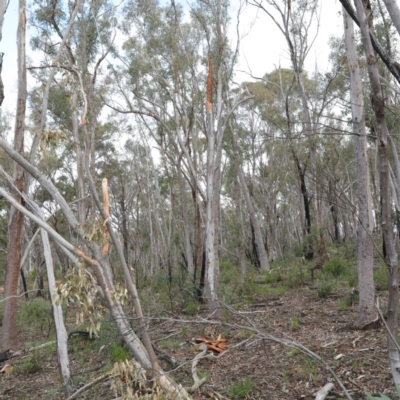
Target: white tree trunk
210	284
61	332
365	261
378	105
394	13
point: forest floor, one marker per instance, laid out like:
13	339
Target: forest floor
256	369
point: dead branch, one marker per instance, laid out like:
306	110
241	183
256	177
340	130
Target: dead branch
322	393
89	385
197	381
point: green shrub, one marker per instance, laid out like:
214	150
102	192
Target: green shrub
229	274
335	267
348	301
28	365
241	389
295	278
381	277
159	281
192	308
36	314
325	287
119	353
274	276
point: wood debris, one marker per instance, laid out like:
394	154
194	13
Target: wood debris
218	346
7	368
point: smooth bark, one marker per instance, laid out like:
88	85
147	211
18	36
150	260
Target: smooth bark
365	261
185	223
394	12
3	9
210	284
378	105
61	332
15	220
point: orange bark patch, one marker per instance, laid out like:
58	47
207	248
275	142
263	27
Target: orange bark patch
219	345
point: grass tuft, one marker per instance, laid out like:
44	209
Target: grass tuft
241	389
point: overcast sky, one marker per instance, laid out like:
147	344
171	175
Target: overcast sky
261	50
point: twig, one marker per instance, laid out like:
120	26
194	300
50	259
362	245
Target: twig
19	352
20	295
384	323
89	385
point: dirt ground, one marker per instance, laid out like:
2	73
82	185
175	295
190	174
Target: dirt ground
267	370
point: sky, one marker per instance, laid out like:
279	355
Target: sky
262	49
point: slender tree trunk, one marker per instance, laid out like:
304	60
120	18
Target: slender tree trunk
262	254
125	229
387	228
394	13
309	254
15	221
185	221
79	163
334	211
61	332
240	237
365	261
210	284
3	9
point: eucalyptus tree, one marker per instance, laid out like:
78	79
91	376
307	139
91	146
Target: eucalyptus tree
378	103
280	112
365	261
78	70
294	20
160	69
161	80
10	339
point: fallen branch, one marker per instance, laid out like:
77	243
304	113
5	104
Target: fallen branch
384	323
197	381
89	385
322	393
19	352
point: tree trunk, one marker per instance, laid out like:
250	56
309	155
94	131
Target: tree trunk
61	332
365	262
262	254
332	199
240	237
185	222
80	191
378	106
15	221
394	13
210	284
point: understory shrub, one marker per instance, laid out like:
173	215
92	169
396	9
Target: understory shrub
119	353
335	267
29	365
380	277
325	287
241	389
